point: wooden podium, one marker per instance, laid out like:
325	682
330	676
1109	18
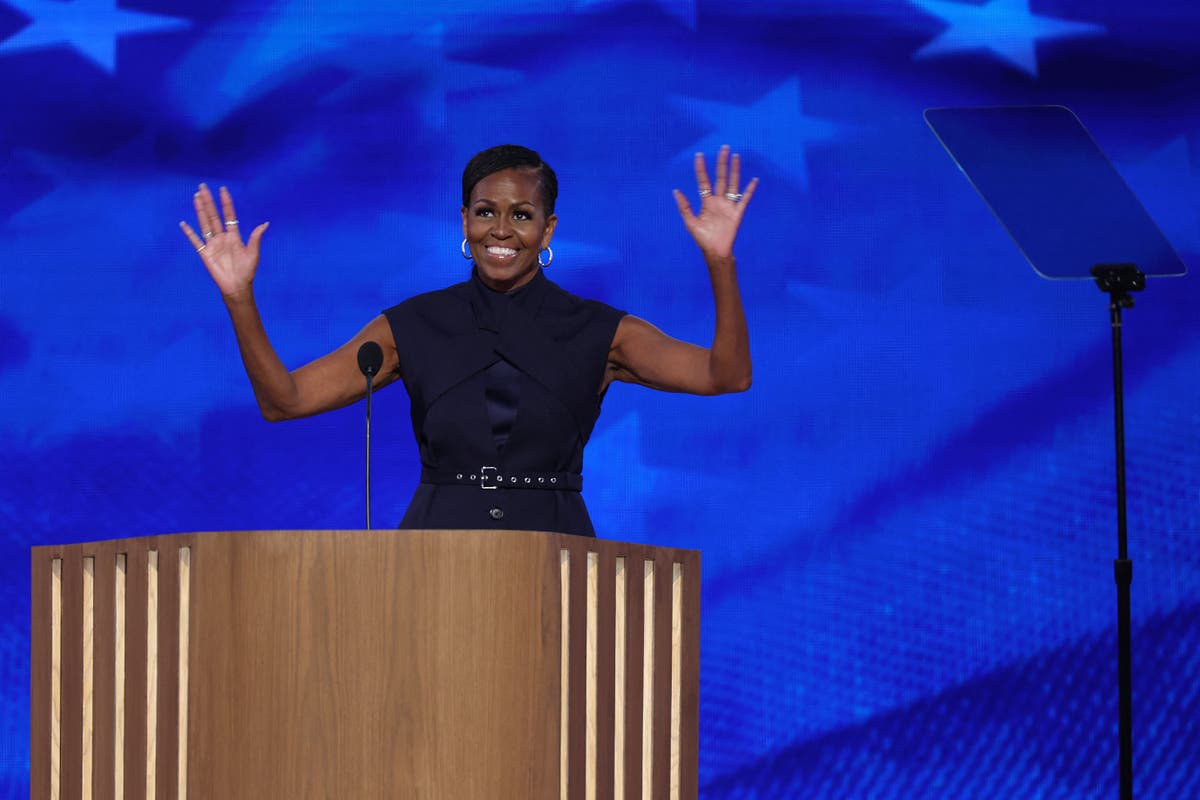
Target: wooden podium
364	664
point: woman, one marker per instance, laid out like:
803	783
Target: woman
506	371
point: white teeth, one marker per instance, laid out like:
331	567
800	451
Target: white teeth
502	251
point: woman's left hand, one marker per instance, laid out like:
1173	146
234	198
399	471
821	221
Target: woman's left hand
722	205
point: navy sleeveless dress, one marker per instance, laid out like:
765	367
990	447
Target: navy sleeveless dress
504	395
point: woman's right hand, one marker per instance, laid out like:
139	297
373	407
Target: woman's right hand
229	261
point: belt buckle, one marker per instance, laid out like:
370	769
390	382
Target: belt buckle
483	477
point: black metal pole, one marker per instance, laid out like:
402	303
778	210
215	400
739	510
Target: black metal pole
1122	566
1118	280
370	359
368	470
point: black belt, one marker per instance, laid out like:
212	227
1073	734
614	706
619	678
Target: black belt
497	478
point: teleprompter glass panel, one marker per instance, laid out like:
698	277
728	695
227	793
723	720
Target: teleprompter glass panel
1053	189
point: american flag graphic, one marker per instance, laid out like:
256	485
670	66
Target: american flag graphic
907	523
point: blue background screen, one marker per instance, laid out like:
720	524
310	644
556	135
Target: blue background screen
907	523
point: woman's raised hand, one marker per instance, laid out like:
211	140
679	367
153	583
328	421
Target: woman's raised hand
229	261
722	205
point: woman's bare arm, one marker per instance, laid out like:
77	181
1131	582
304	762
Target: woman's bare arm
643	354
332	381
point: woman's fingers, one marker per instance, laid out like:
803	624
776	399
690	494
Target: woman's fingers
201	214
722	169
746	195
206	213
230	262
231	221
702	183
256	237
214	217
735	174
685	208
728	174
210	222
192	237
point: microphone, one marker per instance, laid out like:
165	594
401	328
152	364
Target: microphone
370	359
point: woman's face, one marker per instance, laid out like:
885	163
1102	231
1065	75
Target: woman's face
506	226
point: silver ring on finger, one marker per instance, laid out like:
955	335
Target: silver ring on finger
200	249
209	234
705	192
231	223
734	196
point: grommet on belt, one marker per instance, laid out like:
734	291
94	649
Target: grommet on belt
490	477
496	513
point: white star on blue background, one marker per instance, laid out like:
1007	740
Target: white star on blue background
281	48
440	73
1005	28
89	26
773	127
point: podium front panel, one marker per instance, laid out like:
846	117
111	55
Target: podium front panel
423	664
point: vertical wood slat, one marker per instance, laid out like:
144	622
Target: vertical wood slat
184	663
120	668
662	675
620	673
591	686
136	590
650	688
40	670
564	697
103	734
689	711
88	677
167	721
150	725
577	688
634	646
676	676
56	671
605	672
71	691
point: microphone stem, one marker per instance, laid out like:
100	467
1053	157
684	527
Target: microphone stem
370	359
368	470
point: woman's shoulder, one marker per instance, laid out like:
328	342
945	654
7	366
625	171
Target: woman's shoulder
564	303
433	302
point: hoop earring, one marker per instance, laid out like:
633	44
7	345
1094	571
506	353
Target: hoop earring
548	261
463	248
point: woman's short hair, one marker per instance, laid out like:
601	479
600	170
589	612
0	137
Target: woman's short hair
510	156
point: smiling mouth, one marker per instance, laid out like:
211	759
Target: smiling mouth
501	252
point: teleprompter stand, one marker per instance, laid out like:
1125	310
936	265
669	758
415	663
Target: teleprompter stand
1118	280
1064	204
